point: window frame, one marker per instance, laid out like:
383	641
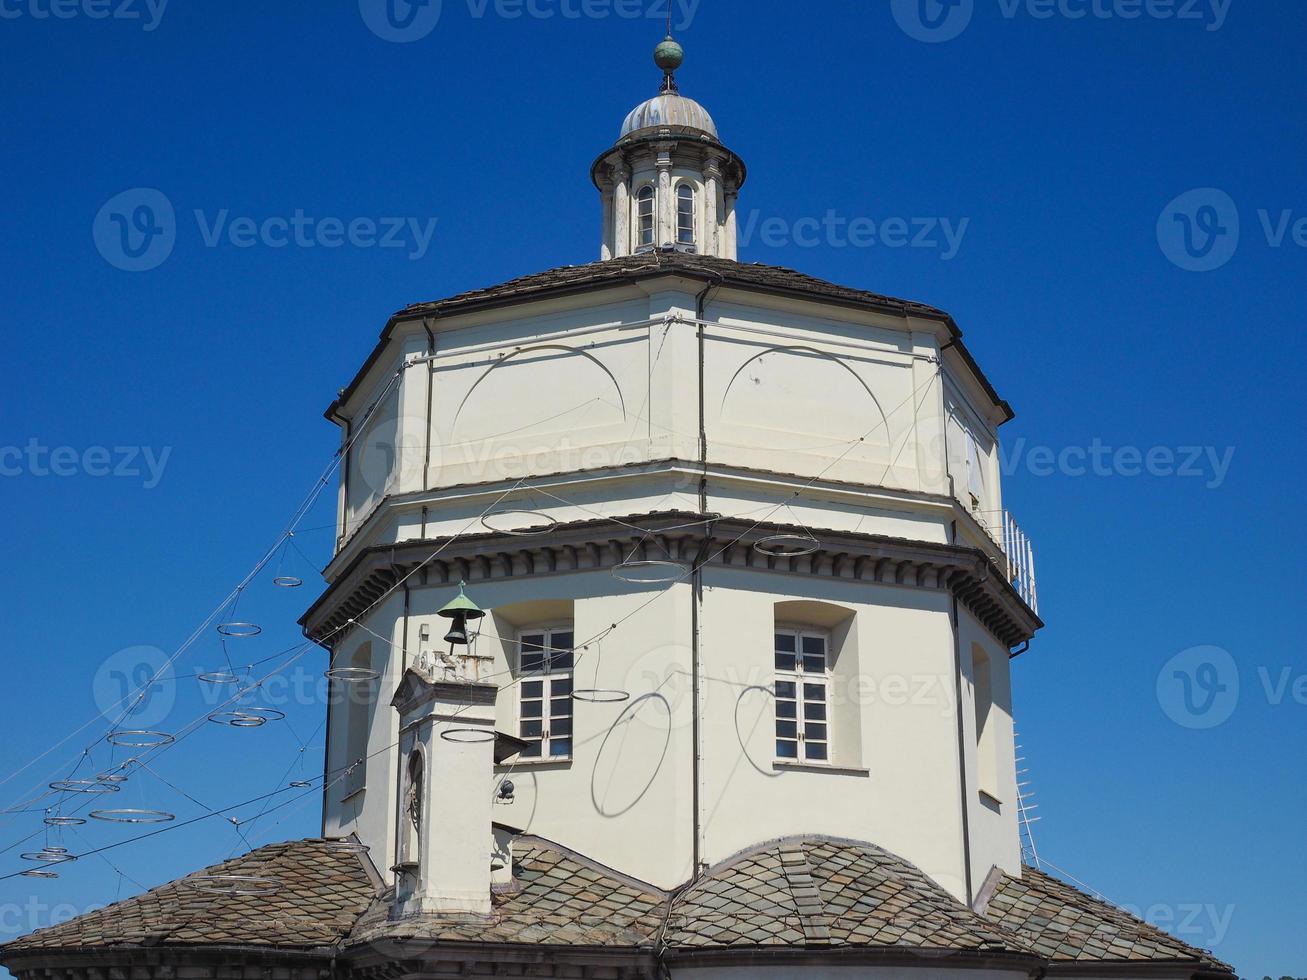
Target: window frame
801	678
682	212
556	684
647	193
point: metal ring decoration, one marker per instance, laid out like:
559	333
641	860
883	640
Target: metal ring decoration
342	845
132	815
300	784
39	873
263	714
246	717
217	677
236	719
233	884
468	736
58	821
288	581
83	786
352	675
111	777
787	545
48	856
650	572
549	523
598	695
239	630
139	739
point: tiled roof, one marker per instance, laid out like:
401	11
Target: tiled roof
1064	924
612	271
817	892
320	894
808	893
557	899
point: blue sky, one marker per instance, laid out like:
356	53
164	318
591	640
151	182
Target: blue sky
1059	149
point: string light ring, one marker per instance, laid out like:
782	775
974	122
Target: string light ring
468	736
239	630
91	786
652	572
133	815
288	581
139	739
598	695
49	855
39	873
342	845
787	545
549	522
352	675
60	821
233	884
217	677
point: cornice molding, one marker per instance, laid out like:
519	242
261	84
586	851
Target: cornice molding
597	545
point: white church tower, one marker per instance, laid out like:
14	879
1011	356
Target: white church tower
739	533
671	622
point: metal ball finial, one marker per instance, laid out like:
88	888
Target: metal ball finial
669	55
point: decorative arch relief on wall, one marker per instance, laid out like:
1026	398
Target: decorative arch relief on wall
546	407
792	401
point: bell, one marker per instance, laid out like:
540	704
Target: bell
460	610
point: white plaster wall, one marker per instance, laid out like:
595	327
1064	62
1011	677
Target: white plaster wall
896	786
819	397
995	838
371	812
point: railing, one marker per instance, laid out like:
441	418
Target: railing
1020	561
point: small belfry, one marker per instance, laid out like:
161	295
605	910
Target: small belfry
669	182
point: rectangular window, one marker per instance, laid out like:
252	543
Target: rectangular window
685	215
802	695
545	707
646	216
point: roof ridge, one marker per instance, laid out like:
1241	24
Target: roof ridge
807	897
